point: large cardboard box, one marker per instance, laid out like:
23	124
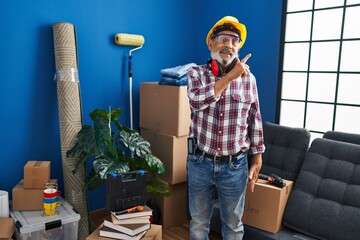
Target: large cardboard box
174	207
154	233
172	151
264	208
164	108
36	174
28	199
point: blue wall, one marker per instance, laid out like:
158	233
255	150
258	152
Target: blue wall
174	34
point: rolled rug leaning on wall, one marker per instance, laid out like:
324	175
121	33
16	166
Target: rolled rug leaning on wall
70	118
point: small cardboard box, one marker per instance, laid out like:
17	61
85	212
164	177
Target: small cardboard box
36	174
264	208
164	108
172	151
154	233
6	227
28	199
174	207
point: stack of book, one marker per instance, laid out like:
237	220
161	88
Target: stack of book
127	224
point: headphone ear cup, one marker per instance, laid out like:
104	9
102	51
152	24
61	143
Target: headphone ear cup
215	68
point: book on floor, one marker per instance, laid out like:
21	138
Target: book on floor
129	229
135	220
111	233
146	212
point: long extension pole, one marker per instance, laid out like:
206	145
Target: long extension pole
130	85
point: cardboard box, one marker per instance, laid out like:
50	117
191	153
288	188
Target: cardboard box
264	208
36	174
172	151
154	233
28	199
6	227
173	208
33	225
164	108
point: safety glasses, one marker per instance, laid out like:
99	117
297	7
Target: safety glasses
225	38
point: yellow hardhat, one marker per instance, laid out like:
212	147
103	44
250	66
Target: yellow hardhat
229	20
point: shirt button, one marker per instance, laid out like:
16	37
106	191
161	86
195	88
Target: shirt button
221	114
220	132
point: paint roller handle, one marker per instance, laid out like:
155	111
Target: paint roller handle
130	65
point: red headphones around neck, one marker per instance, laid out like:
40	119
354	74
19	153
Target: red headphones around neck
215	67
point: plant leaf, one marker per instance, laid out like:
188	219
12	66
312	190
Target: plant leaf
81	162
75	150
103	166
115	114
98	113
86	140
102	132
136	143
92	181
155	186
155	164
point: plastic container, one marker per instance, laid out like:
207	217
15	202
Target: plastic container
34	225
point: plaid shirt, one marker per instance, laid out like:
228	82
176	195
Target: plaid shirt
225	125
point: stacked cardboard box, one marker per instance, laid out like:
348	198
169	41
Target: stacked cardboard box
6	228
28	193
164	123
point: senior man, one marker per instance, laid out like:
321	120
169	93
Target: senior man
225	127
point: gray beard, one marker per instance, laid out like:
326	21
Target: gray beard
216	56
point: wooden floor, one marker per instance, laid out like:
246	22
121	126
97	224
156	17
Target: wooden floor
180	232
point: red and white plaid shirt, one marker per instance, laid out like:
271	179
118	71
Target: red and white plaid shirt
225	125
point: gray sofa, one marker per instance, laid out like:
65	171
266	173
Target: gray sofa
325	201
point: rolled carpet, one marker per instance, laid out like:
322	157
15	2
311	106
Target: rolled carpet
70	118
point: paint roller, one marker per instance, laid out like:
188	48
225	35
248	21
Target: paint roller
135	41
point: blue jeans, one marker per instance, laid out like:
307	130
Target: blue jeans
230	179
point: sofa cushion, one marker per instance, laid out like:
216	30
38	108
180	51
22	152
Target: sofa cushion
285	150
325	202
343	136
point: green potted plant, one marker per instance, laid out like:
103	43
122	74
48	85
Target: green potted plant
115	148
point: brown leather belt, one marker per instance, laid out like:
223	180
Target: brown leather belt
219	158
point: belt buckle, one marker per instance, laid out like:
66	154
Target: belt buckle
216	158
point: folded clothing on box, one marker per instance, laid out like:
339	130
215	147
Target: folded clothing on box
175	75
